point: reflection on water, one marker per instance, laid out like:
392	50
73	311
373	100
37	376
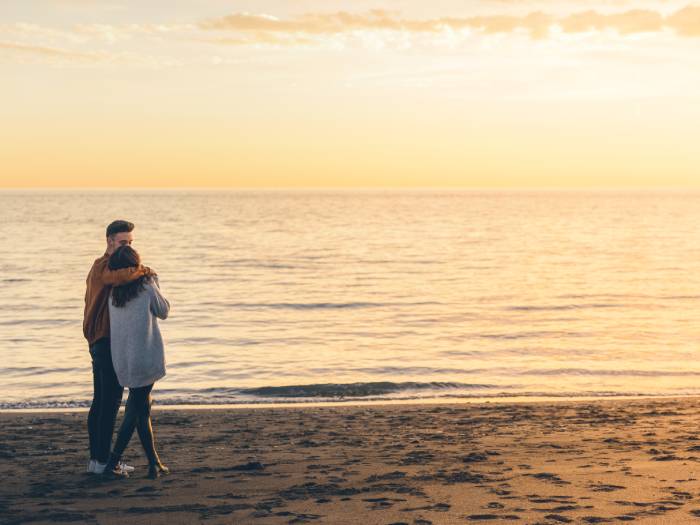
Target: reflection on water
475	293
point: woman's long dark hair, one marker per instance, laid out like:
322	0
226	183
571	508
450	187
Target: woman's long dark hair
126	257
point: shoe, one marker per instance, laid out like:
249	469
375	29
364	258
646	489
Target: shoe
114	473
157	470
125	467
95	467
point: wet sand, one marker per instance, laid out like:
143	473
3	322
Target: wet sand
606	461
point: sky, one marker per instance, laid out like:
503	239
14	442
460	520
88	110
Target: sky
322	93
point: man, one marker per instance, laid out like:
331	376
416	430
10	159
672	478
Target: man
108	392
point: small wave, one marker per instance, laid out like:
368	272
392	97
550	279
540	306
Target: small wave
353	389
49	322
320	306
397	371
254	263
213	341
192	364
532	334
165	398
18	307
622	373
24	405
397	261
627	296
36	370
563	307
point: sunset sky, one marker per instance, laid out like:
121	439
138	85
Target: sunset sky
321	93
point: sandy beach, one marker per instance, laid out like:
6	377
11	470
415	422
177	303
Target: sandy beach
601	461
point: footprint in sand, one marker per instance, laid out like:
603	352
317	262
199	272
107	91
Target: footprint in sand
548	476
558	518
595	519
438	507
492	517
603	487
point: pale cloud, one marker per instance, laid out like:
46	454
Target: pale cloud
377	29
684	21
628	22
113	33
105	44
81	33
53	52
261	38
21	53
38	32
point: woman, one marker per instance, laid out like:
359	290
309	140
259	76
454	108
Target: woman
137	355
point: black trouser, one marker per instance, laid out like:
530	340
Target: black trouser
136	416
105	401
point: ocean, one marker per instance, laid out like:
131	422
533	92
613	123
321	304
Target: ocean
348	295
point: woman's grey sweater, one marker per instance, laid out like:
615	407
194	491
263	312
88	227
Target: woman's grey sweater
137	346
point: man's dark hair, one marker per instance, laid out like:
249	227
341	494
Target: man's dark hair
119	227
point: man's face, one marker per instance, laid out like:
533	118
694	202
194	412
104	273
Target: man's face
119	239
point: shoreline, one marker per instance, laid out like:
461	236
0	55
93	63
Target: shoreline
573	461
374	402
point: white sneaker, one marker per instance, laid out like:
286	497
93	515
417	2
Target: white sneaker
95	467
124	467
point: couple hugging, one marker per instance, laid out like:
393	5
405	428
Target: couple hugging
122	304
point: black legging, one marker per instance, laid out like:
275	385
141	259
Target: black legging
137	415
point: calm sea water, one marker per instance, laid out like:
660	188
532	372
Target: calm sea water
374	294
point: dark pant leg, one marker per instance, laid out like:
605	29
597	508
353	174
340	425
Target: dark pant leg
109	397
94	414
136	405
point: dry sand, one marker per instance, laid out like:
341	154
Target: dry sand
563	462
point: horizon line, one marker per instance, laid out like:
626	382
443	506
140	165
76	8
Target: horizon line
346	188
